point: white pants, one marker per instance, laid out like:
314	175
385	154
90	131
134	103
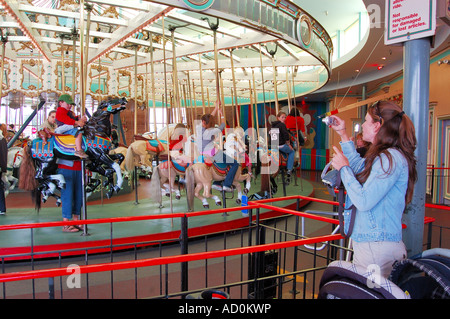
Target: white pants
382	254
63	128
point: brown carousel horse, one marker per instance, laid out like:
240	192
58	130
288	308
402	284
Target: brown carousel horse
271	164
179	158
201	175
163	179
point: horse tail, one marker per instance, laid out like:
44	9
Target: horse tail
129	159
27	171
155	187
190	186
36	196
27	177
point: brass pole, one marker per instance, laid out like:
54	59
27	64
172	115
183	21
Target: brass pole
63	78
153	82
4	40
234	87
135	89
201	80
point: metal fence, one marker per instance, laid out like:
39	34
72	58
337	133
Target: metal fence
265	260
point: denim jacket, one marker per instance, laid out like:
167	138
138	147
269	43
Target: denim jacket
380	201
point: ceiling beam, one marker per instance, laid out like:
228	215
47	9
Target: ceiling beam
12	8
122	34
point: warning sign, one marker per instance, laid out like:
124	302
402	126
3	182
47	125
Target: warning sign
409	19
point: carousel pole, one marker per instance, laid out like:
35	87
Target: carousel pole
82	57
175	69
168	120
99	76
272	53
183	89
222	95
176	92
288	89
256	101
194	101
298	144
214	27
147	114
190	100
201	80
63	78
86	57
263	87
135	89
74	57
234	88
4	40
152	69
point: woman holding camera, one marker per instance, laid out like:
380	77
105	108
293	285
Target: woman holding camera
378	185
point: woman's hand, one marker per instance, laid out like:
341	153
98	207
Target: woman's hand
339	159
340	128
339	123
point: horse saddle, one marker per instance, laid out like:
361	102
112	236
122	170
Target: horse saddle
180	167
154	146
223	168
65	145
204	159
42	149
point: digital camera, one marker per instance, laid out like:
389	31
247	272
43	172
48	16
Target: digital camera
330	121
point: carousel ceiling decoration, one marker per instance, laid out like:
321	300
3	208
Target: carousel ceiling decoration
236	50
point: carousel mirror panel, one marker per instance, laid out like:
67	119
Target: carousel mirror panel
32	73
65	76
99	79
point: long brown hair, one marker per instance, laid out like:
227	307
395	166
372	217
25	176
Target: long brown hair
396	131
209	120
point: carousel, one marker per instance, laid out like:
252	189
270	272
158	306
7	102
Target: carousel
137	70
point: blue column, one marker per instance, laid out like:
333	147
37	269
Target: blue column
416	85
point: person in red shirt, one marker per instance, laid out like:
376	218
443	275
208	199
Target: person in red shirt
67	122
295	123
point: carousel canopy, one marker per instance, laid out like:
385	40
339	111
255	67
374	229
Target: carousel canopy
232	49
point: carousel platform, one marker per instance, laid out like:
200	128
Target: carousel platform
46	242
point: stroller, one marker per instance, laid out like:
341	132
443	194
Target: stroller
425	276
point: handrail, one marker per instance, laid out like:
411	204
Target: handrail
124	219
132	264
57	272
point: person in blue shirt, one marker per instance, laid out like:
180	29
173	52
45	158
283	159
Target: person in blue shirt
379	185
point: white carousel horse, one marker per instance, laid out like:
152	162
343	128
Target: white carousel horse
15	156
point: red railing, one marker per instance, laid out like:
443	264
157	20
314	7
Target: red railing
188	257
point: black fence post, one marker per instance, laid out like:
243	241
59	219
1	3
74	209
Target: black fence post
184	251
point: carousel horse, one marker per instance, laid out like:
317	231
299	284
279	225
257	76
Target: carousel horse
204	171
201	174
146	168
40	156
145	145
15	155
272	164
163	179
168	170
